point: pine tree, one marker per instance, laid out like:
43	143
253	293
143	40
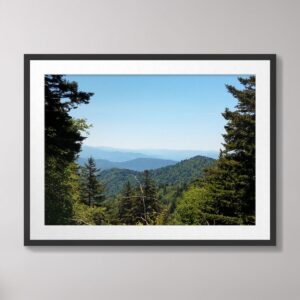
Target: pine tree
126	205
63	137
149	205
92	191
231	181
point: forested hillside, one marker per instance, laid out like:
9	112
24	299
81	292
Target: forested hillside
197	191
114	179
179	174
183	172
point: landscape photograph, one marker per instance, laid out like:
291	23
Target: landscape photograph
139	150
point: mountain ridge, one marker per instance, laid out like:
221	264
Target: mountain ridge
183	172
137	164
121	155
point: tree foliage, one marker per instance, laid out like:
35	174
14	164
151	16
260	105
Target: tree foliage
231	181
63	137
92	190
139	204
61	191
127	204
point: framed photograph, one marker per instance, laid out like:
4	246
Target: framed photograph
150	149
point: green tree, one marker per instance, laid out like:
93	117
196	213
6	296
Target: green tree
126	205
147	205
61	191
92	190
231	181
63	138
191	207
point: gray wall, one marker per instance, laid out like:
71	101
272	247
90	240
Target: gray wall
155	26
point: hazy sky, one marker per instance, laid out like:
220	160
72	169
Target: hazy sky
156	111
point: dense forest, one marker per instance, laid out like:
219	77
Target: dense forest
179	174
196	191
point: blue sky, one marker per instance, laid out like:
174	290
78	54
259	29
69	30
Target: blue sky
156	111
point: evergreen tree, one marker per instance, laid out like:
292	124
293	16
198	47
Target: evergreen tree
92	191
148	206
231	181
126	205
63	137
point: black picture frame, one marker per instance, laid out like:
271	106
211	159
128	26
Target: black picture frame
32	57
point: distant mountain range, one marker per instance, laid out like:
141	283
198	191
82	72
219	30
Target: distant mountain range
179	155
111	154
137	164
182	172
123	155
